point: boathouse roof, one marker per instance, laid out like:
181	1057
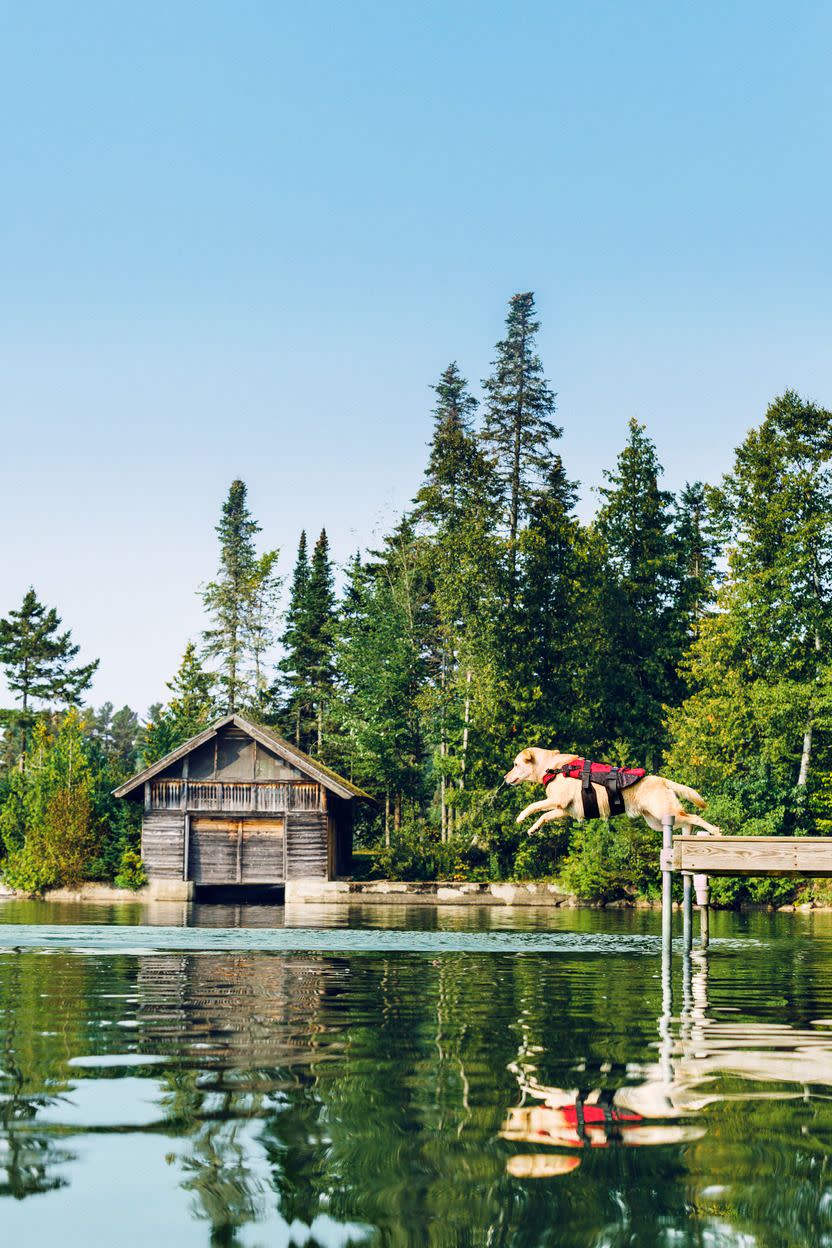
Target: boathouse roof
266	737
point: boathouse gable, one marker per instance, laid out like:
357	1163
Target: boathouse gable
239	805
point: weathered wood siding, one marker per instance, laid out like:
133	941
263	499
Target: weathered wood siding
212	851
262	861
235	851
163	844
231	755
306	845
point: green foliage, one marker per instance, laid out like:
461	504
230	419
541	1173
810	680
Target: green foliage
416	852
648	629
37	659
191	708
48	827
608	859
241	602
131	873
381	668
518	427
754	734
305	691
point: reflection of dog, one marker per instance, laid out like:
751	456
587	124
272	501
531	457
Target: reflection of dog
652	797
574	1121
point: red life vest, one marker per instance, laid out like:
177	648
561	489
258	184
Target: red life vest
600	773
580	1116
614	779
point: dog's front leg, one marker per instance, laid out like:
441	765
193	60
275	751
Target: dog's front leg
557	813
546	804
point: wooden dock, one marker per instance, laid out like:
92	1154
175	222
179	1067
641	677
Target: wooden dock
698	857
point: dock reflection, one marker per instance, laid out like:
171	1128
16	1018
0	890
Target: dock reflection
701	1061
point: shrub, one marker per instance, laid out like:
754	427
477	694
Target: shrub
611	859
131	872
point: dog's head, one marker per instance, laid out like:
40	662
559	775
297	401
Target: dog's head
524	769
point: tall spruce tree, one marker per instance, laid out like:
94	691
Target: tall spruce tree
320	624
234	600
457	508
518	427
381	672
292	693
455	463
550	572
698	540
38	661
636	526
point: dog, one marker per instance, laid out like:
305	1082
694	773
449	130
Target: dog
651	797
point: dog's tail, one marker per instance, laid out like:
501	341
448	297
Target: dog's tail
684	790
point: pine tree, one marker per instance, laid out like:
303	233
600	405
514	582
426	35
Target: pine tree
698	545
191	708
116	736
292	692
38	658
455	462
320	624
237	600
261	626
380	675
635	525
550	572
457	507
518	426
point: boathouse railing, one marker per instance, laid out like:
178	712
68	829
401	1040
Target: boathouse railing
232	795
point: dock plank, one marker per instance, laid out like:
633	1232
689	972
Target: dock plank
754	855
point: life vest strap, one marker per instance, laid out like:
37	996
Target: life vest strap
613	778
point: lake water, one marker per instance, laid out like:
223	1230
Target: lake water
347	1076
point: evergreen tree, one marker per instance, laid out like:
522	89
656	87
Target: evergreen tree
191	708
551	570
320	624
455	463
457	508
635	524
756	731
116	736
518	426
261	626
292	692
698	542
381	672
37	658
305	690
236	601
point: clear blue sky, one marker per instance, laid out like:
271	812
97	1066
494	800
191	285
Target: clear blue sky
243	239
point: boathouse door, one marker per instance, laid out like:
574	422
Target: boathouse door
236	851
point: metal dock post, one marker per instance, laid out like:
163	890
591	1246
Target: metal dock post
687	911
667	882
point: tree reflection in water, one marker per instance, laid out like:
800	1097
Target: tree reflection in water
409	1100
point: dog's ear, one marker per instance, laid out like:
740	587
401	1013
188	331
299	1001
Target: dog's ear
528	755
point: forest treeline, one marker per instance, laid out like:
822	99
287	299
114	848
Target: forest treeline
685	633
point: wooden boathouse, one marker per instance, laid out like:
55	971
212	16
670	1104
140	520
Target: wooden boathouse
239	805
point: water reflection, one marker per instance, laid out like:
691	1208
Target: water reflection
243	1098
641	1103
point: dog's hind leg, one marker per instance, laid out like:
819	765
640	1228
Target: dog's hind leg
699	822
547	817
